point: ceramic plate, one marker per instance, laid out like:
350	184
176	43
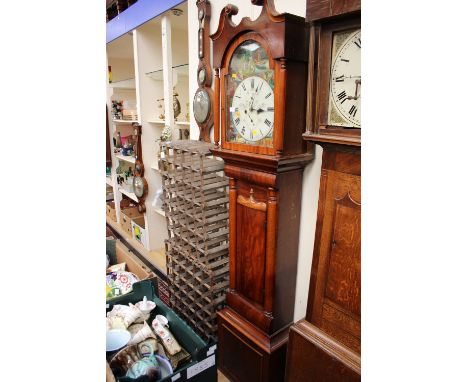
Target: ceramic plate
119	283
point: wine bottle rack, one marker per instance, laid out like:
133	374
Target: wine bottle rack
197	251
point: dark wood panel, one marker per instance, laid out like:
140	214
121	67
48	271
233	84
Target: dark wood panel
335	288
250	253
344	273
315	356
241	362
323	9
258	357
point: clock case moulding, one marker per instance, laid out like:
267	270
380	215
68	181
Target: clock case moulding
265	186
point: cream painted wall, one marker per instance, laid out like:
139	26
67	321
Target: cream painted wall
122	68
311	179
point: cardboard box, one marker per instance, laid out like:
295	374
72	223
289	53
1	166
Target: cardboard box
134	264
110	211
139	229
126	217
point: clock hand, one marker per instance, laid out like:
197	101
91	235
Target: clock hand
358	83
343	77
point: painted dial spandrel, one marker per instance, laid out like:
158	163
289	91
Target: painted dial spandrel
250	96
345	80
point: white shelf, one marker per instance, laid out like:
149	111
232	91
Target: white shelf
109	180
160	212
183	123
155	167
157	121
181	70
125	84
131	195
124	121
129	159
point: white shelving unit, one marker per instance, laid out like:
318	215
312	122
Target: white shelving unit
124	121
131	195
161	43
160	212
124	84
125	158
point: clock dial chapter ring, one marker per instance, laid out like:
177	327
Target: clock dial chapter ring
345	81
252	109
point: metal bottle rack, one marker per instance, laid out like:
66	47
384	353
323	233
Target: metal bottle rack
197	251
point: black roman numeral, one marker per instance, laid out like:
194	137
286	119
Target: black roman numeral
340	78
270	108
243	130
342	96
268	122
252	83
358	43
243	86
353	111
237	120
344	59
269	94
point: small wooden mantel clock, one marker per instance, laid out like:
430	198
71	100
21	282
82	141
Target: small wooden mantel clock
326	344
259	113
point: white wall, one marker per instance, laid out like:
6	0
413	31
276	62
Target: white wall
311	180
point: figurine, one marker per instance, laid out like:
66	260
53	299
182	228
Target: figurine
160	106
176	105
118	141
166	134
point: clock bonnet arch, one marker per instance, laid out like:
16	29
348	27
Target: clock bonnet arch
280	35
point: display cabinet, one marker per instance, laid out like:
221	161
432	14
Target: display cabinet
147	64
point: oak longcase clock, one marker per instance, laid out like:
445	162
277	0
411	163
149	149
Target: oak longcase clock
259	114
326	344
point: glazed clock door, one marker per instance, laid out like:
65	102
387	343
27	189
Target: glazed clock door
249	110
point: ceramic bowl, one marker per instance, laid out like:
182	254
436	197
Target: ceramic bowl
166	368
125	358
116	339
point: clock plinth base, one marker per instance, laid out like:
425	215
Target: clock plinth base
314	355
248	354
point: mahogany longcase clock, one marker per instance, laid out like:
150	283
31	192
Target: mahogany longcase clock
259	111
326	344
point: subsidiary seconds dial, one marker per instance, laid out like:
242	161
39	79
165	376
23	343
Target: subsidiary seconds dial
345	84
252	109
